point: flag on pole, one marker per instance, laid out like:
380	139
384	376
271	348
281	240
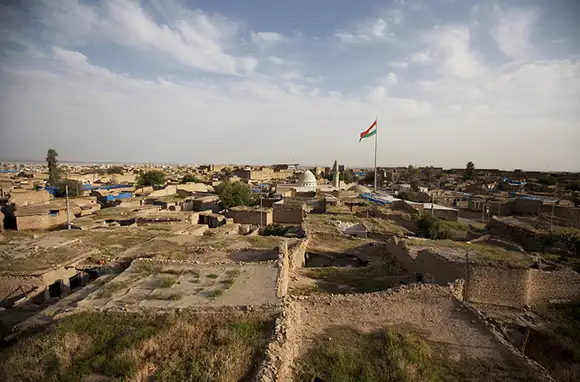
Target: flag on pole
372	130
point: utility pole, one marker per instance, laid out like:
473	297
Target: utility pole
67	206
432	205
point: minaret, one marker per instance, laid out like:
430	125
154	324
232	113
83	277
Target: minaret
336	175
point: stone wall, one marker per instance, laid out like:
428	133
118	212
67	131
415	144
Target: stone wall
497	286
519	287
297	254
436	269
284	266
555	285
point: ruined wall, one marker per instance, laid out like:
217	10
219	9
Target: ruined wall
436	269
400	252
518	287
297	254
26	197
41	221
287	215
450	215
525	238
14	287
526	206
497	286
255	217
557	285
284	266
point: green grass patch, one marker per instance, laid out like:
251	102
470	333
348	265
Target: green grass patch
166	281
212	276
168	296
215	293
557	346
120	346
344	354
107	290
227	283
233	273
353	280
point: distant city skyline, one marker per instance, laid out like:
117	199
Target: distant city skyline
496	83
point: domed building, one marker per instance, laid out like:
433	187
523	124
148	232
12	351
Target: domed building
359	189
307	181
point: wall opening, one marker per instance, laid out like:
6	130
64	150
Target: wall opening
55	290
333	260
75	282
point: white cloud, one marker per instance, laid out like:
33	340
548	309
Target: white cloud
268	37
365	32
392	78
421	57
399	64
513	29
453	44
191	37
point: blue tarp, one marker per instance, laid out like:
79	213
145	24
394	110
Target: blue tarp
373	198
7	171
89	187
122	195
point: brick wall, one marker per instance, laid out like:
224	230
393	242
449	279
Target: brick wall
297	253
437	269
556	285
26	197
251	217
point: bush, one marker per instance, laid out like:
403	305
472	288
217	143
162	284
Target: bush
235	194
151	178
569	237
188	178
118	170
275	230
75	188
429	226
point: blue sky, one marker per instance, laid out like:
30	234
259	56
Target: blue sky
258	81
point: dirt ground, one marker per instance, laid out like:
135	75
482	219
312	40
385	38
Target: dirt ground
169	285
427	309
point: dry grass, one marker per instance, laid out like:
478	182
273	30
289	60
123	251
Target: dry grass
353	280
164	296
115	346
107	290
344	354
215	293
212	276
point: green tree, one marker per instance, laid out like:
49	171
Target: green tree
573	185
347	176
119	170
469	171
429	226
547	180
75	188
415	185
187	178
369	177
235	194
227	172
151	178
53	170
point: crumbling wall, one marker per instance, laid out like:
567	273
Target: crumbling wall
526	238
255	217
497	286
22	198
556	285
434	268
41	221
287	215
297	254
518	287
284	266
400	252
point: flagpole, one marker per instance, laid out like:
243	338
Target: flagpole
376	139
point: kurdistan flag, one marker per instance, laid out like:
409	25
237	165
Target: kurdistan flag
372	130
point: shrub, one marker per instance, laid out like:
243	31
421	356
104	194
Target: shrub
188	178
235	194
430	227
274	230
151	178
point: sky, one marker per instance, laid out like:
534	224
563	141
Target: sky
261	82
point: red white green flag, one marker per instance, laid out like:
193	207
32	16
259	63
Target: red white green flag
372	130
